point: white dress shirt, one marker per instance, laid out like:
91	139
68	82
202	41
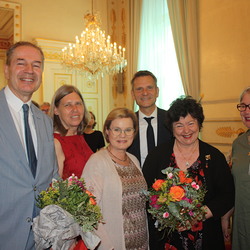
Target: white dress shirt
16	110
143	125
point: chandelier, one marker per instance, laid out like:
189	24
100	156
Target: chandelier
93	54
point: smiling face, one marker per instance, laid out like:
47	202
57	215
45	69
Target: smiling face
24	74
122	141
245	115
186	130
70	111
145	93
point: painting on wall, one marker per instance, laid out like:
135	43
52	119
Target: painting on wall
222	133
10	24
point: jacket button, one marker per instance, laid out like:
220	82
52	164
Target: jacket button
28	219
34	188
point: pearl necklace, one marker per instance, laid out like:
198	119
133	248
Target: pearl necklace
126	157
187	160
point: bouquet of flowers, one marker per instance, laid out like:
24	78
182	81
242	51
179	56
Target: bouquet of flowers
71	207
176	202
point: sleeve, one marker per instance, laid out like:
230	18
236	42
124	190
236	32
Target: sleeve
220	185
49	128
93	175
155	162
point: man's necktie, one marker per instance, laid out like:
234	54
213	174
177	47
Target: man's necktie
29	142
150	134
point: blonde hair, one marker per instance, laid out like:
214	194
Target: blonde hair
119	113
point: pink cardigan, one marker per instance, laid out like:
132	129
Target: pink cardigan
103	181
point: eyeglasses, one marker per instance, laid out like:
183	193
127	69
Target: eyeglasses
243	106
118	131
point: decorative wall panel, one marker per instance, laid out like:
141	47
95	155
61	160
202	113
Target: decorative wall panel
221	133
62	79
56	75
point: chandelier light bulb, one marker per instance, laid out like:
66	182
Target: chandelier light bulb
93	55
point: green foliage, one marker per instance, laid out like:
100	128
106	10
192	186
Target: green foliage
177	208
72	196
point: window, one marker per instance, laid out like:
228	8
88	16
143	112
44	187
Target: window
157	52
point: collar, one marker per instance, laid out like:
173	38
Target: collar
13	100
142	115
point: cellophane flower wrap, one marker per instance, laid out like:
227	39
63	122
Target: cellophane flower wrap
176	201
72	195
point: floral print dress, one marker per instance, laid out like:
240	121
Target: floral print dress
189	239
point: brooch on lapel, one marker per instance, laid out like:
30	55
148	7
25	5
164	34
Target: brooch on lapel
208	158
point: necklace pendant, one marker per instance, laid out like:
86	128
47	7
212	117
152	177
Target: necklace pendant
187	164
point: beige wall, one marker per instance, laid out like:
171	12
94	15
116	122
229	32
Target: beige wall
50	24
224	41
62	20
56	20
224	66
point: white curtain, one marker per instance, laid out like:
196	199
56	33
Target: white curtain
157	52
184	21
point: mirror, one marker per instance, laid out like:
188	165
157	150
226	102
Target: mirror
10	31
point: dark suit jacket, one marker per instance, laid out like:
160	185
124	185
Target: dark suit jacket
163	136
219	197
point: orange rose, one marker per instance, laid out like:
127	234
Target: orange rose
176	193
91	200
157	185
89	193
183	178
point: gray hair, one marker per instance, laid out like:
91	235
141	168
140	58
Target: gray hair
245	91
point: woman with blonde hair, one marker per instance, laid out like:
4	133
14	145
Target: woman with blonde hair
116	180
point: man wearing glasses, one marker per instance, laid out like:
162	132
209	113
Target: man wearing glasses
241	173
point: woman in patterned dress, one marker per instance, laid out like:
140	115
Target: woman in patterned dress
206	164
115	178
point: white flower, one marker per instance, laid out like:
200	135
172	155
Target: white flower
170	175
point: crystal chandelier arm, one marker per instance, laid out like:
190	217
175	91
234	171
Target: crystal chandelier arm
93	54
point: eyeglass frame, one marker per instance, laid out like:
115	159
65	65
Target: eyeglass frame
112	130
243	104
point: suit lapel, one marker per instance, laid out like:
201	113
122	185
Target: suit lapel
137	141
158	125
40	134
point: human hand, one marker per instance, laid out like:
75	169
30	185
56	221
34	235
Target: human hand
226	225
226	228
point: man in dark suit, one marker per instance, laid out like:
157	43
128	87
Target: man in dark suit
145	92
27	155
